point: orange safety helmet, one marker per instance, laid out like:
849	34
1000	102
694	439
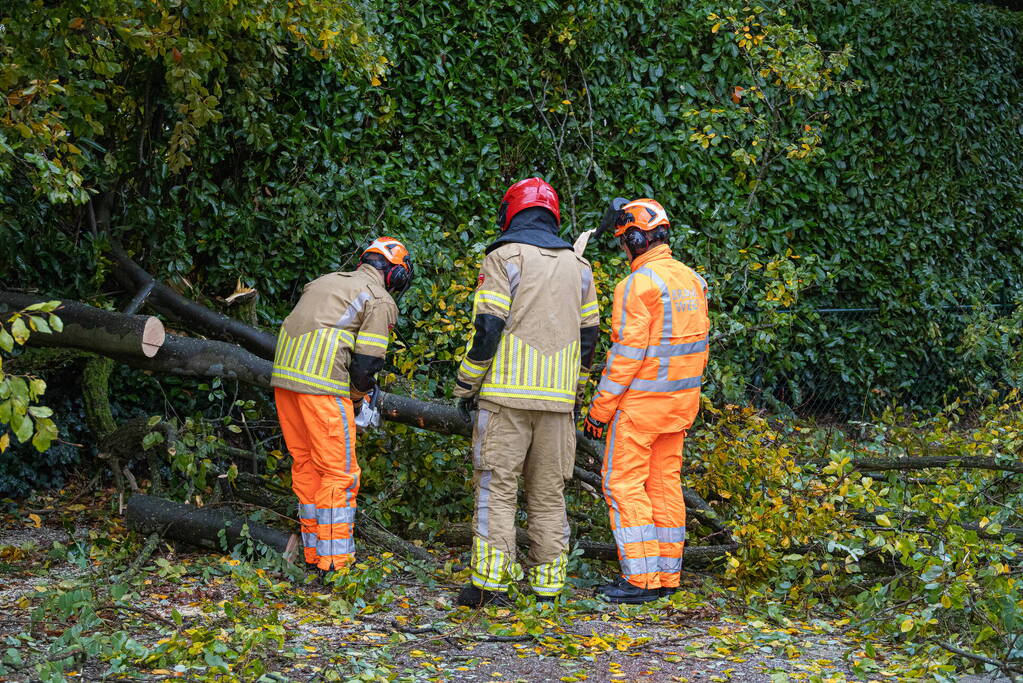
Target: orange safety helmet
645	214
639	222
398	274
523	195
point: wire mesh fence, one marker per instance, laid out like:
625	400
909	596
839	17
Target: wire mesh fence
850	363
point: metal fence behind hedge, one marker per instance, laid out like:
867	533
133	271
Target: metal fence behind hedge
838	379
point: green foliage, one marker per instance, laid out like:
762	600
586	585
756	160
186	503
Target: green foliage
924	556
19	393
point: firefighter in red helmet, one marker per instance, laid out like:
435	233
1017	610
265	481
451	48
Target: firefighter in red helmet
536	326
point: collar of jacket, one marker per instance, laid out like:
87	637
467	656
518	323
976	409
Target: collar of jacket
658	253
370	273
535	226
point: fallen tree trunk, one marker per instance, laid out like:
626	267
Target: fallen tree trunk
202	526
252	489
88	328
926	462
166	301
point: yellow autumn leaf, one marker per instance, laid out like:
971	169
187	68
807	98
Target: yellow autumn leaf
5	441
36	520
883	520
375	82
907	625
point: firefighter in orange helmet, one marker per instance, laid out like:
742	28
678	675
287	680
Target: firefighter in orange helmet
329	350
648	397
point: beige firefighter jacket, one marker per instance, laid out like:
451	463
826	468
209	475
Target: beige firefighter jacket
544	296
338	315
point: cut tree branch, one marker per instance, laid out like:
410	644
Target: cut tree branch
87	327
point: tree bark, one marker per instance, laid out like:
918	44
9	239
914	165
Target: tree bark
201	526
927	462
92	329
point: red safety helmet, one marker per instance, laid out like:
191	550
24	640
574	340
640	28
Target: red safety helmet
398	273
524	194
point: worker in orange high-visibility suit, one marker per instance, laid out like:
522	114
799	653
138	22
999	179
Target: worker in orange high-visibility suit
329	350
649	394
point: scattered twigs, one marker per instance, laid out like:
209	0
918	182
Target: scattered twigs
149	614
1005	667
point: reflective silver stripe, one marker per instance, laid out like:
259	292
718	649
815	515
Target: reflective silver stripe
587	280
625	351
669	350
702	282
483	505
640	565
669	565
335	515
625	298
610	386
671	534
609	462
337	546
665	386
353	310
306	511
348	452
512	271
666	327
635	534
309	539
482	420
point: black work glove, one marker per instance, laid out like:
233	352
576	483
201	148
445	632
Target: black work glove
357	406
593	428
466	406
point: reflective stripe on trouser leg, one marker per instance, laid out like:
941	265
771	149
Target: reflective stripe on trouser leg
664	487
332	432
548	464
500	439
490	566
548	579
305	480
625	471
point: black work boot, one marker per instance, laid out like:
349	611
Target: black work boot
621	591
545	598
473	596
668	591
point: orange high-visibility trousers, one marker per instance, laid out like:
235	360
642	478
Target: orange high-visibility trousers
643	488
320	434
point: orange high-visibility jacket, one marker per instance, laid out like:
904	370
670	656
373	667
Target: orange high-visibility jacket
659	328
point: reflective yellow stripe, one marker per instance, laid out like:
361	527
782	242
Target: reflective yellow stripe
308	359
588	308
379	337
495	299
367	342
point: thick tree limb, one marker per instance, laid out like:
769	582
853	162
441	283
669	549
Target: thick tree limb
87	327
926	462
166	301
201	526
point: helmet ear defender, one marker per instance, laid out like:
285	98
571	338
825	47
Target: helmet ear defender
399	277
637	240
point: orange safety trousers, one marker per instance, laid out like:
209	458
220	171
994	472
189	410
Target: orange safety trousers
643	489
320	434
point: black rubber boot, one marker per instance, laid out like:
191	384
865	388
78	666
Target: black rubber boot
545	598
473	596
667	592
623	592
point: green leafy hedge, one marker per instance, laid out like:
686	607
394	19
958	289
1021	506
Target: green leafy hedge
891	178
